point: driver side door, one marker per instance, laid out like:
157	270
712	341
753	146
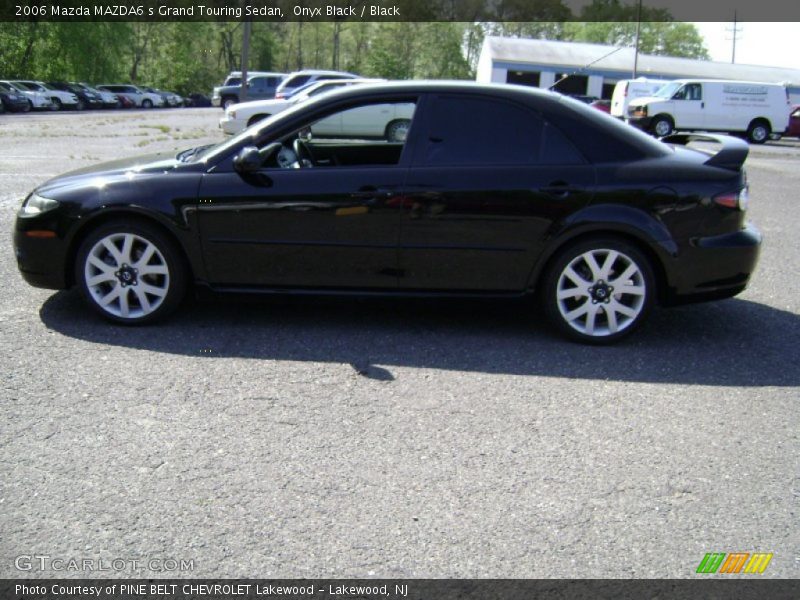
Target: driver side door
334	224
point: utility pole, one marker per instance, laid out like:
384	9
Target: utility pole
735	31
245	57
638	30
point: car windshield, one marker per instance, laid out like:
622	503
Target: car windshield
667	91
22	86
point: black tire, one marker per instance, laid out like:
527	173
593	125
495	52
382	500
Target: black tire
80	105
56	104
169	283
147	103
397	131
227	101
758	132
662	126
28	107
613	314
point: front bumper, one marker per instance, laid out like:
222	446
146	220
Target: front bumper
642	123
715	267
230	126
41	261
216	101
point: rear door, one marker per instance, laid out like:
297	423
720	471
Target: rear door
487	180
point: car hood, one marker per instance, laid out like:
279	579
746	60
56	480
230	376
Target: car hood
645	100
98	176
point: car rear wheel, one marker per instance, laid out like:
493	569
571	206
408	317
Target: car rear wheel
758	132
599	291
397	131
228	101
662	126
130	272
28	107
80	105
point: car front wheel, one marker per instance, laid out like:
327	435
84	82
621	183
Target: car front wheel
599	291
662	126
130	273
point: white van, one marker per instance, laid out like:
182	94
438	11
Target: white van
751	108
631	89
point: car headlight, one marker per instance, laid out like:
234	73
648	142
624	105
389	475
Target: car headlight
35	205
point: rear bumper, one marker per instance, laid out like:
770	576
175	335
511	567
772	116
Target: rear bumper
715	267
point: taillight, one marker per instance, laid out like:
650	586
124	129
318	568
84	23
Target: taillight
735	200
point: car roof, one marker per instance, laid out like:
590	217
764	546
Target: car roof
320	72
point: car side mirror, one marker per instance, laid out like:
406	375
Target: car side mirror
248	160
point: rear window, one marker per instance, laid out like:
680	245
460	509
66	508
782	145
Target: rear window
297	81
602	138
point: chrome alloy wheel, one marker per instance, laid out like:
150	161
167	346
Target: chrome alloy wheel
601	292
126	275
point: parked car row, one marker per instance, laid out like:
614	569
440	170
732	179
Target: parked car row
240	116
263	85
23	95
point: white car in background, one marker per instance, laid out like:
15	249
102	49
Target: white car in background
59	98
37	100
139	97
240	116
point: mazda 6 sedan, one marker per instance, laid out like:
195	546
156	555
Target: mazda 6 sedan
492	191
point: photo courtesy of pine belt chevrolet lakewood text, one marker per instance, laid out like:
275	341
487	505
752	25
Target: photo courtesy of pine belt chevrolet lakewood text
488	191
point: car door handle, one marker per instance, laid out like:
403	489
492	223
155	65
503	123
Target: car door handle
559	189
371	192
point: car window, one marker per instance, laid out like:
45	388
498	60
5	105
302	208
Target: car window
297	81
691	91
487	131
273	81
369	134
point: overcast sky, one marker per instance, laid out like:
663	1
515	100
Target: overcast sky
772	44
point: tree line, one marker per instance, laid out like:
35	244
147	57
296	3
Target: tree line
194	56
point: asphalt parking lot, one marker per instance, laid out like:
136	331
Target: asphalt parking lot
390	438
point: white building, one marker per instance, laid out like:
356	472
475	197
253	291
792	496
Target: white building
597	68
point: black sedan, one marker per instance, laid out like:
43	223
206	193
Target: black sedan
491	191
12	100
86	99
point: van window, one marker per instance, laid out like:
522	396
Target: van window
691	91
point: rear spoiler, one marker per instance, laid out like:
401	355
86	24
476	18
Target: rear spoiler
730	156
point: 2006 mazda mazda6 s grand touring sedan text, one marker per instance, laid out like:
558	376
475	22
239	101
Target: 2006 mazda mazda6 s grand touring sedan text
491	190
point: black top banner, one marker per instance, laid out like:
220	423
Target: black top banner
394	10
397	589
